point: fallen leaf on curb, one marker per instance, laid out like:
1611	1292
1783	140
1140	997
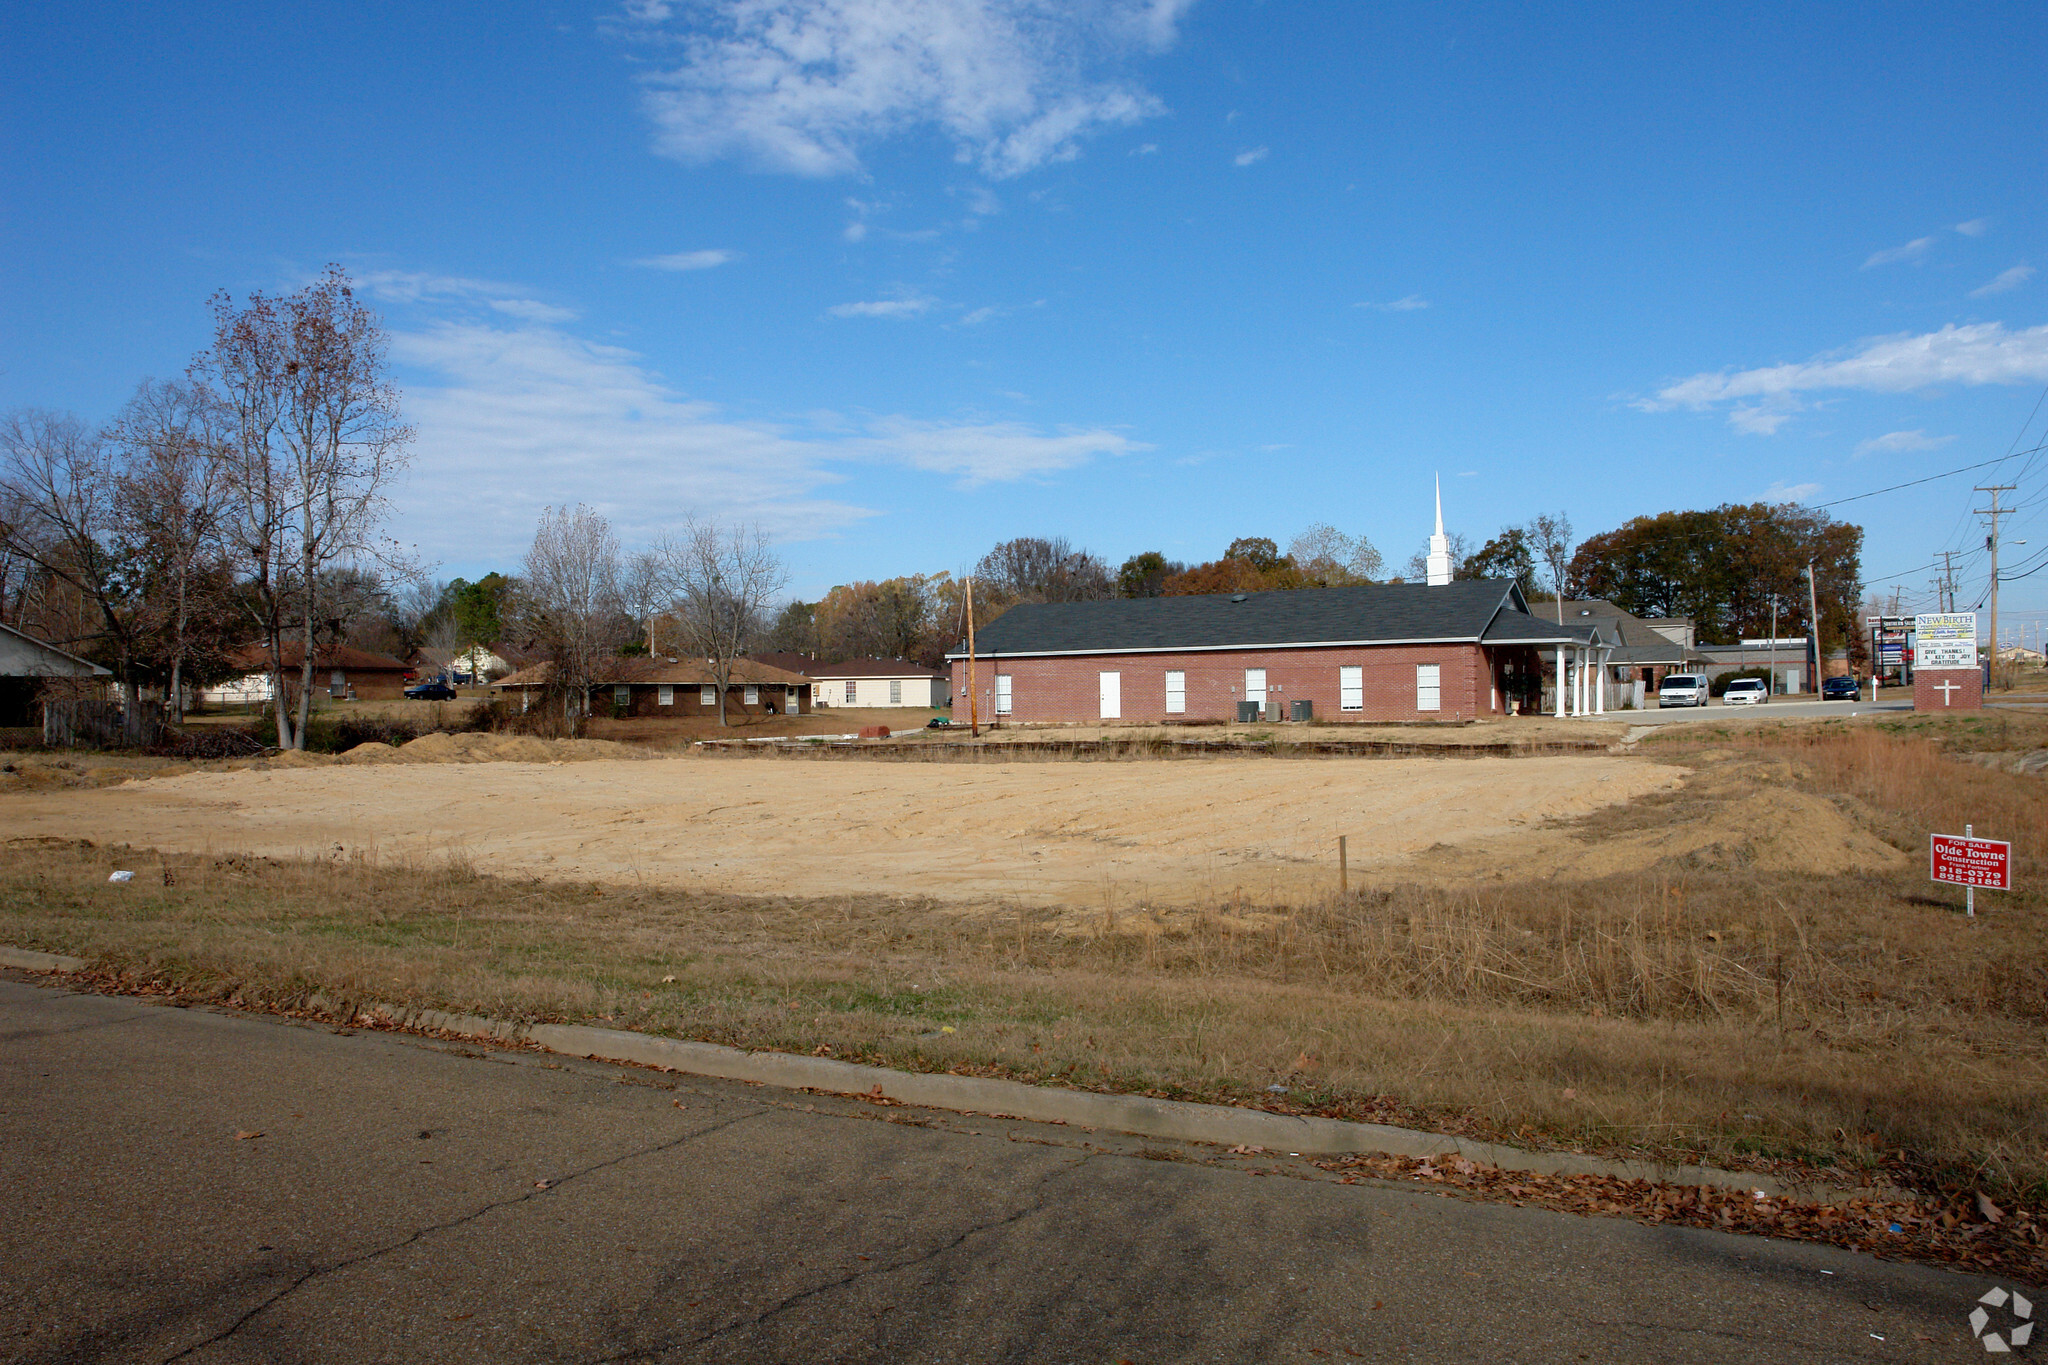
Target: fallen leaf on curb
243	1135
540	1184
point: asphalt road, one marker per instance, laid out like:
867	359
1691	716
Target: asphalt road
412	1200
1779	708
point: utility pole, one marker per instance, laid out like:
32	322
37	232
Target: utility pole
973	697
1813	615
1994	512
1948	580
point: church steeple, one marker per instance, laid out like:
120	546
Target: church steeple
1439	561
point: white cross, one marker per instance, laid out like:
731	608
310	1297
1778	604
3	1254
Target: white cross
1946	688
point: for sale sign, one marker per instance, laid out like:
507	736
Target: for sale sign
1964	861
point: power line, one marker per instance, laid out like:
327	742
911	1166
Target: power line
1915	483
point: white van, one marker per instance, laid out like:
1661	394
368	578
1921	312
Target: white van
1682	689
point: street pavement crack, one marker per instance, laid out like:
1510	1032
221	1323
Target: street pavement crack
554	1186
1036	1203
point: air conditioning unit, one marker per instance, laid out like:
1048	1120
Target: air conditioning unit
1247	712
1273	712
1301	708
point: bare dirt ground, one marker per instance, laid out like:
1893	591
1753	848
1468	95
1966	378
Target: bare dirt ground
1076	834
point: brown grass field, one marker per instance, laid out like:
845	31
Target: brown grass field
1732	955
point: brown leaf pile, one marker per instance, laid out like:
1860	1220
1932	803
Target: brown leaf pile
1954	1229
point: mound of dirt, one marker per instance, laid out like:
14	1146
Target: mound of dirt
475	748
1774	829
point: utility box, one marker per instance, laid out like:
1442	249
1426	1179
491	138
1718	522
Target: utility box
1301	708
1273	712
1247	712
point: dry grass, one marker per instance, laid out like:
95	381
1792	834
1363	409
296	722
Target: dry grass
1694	1009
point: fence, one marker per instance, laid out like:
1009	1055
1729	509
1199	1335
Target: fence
102	725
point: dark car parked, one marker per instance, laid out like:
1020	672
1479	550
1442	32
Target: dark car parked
431	690
1840	689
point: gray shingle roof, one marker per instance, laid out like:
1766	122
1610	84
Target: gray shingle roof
1382	613
1637	642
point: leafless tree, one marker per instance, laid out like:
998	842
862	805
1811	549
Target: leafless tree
315	443
1327	558
571	578
723	579
643	587
1551	538
1037	569
169	496
59	483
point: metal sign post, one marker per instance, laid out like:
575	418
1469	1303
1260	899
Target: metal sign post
1969	862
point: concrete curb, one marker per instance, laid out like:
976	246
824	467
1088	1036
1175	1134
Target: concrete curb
1223	1125
28	960
1139	1115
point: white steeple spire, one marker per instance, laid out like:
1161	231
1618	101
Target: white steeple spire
1439	560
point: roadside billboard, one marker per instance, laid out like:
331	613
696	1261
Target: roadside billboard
1945	640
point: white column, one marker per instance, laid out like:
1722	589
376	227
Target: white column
1600	685
1560	680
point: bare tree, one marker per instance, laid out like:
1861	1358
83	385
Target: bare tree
571	577
1327	558
315	443
723	579
59	482
1036	569
1551	538
169	496
643	586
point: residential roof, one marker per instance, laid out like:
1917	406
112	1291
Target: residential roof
50	661
1475	610
786	658
873	668
650	672
1636	640
256	658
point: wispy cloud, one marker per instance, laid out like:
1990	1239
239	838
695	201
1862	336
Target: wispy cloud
1251	157
414	287
1911	251
1792	492
2006	279
1976	227
1409	304
1761	419
882	308
532	310
1981	353
802	86
985	452
689	260
1145	149
1901	442
980	315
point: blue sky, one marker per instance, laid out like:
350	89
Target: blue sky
902	278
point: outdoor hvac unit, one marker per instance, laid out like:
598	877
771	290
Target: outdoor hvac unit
1247	712
1273	712
1301	708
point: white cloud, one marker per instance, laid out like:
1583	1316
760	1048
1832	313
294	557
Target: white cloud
1252	157
514	418
1900	442
981	315
1759	419
882	308
1981	353
802	85
532	310
1145	149
1409	304
1784	492
2006	279
1976	227
689	260
1911	251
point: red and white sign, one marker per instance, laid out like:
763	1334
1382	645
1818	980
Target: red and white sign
1965	861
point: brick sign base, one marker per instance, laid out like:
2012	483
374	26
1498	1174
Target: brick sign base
1948	689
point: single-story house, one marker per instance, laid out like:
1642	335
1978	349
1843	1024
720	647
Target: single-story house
674	689
340	672
1645	649
1789	660
880	682
27	665
1384	652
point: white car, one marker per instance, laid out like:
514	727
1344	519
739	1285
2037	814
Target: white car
1682	689
1746	692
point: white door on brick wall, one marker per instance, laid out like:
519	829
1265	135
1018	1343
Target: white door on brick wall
1176	692
1112	695
1002	694
1255	685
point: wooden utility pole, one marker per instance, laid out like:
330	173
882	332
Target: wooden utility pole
973	692
1813	615
1994	512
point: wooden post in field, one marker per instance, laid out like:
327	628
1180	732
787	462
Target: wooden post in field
1343	866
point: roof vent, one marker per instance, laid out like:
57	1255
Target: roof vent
1237	597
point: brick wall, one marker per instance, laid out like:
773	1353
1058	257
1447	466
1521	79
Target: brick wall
1068	688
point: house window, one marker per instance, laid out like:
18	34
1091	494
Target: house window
622	696
1351	688
1429	687
1176	693
1002	694
852	693
666	696
753	696
895	691
708	695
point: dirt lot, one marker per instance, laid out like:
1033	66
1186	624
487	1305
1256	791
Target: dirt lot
1080	834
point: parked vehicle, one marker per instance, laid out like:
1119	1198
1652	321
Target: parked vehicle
1746	692
431	690
1840	689
1683	689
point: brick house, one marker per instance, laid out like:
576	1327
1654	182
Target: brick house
669	689
1384	652
339	672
